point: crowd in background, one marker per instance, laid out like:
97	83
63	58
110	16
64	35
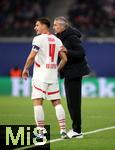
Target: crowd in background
18	16
93	17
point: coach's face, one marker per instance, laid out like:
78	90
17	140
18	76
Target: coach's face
57	26
39	27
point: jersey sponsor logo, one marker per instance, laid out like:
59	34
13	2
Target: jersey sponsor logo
51	66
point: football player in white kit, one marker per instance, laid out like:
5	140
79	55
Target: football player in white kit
44	54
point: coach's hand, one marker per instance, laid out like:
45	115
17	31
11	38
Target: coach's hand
25	74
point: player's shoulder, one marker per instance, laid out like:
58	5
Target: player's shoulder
41	37
38	37
37	40
56	38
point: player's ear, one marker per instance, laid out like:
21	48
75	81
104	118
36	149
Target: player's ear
44	26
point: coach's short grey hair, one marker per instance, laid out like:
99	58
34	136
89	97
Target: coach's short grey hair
63	21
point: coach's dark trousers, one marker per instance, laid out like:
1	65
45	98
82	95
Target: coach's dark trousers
73	95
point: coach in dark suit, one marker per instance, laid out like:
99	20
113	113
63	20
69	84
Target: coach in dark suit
73	72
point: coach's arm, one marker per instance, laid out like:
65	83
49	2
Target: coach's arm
29	62
75	50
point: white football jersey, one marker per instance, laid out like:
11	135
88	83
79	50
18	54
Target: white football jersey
45	65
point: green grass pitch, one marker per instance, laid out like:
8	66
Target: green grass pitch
97	113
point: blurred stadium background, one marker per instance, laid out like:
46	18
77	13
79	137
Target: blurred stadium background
96	20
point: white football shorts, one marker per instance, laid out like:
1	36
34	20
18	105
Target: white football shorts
45	90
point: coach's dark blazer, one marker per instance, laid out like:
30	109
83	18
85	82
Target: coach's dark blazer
77	64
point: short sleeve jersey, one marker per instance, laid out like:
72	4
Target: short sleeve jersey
48	47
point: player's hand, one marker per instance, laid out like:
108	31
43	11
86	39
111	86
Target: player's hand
63	49
25	74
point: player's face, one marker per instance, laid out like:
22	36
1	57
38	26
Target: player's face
58	28
38	27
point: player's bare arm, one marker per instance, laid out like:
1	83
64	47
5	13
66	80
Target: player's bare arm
64	49
63	60
28	64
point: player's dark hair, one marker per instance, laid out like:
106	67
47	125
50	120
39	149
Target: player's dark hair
44	21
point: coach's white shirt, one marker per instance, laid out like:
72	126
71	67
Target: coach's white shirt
45	66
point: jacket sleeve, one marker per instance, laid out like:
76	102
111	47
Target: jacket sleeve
76	50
